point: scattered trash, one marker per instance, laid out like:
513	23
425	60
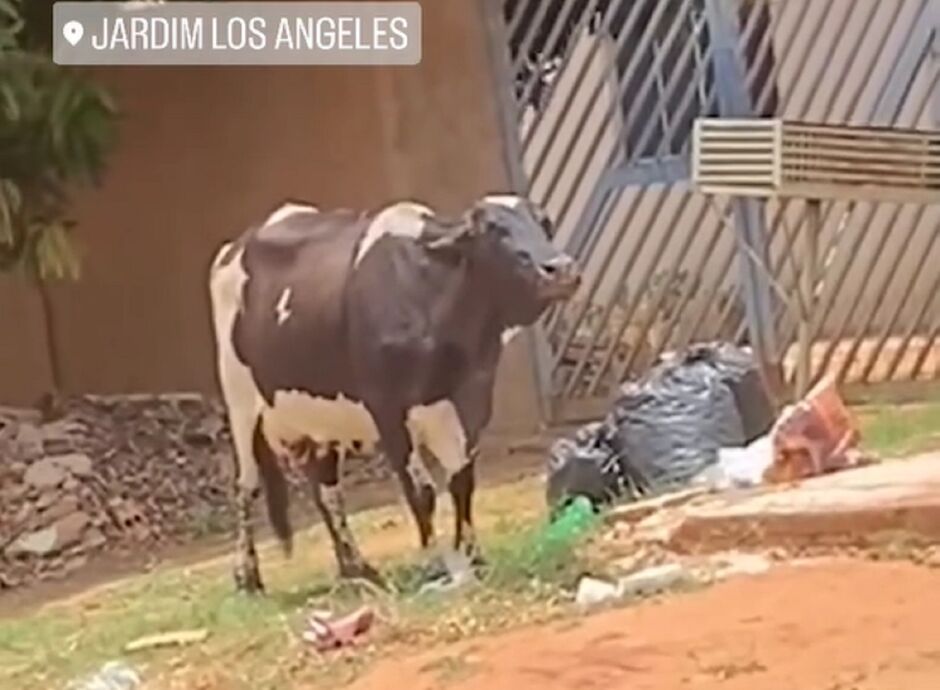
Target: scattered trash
592	592
326	633
741	373
666	430
671	425
652	580
583	466
459	573
815	436
571	522
168	639
738	468
114	675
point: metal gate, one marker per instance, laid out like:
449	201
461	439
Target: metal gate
601	96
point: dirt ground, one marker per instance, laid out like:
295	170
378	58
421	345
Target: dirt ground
839	625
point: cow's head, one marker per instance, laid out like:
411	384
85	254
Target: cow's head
507	241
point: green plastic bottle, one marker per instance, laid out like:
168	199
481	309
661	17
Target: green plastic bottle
576	519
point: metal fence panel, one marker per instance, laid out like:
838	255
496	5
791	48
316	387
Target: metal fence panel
606	92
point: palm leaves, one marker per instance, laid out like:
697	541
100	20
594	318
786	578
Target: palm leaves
56	129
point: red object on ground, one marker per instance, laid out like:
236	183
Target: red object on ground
815	436
326	634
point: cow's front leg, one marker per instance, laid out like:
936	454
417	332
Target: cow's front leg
448	440
413	476
328	495
462	485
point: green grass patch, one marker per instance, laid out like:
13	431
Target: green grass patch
254	642
899	430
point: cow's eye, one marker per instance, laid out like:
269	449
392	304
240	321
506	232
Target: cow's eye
547	227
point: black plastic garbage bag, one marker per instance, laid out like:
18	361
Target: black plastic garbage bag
664	430
672	424
586	465
740	372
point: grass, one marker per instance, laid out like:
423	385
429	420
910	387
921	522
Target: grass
254	642
900	430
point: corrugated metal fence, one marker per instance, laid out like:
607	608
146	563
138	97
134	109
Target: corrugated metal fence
605	94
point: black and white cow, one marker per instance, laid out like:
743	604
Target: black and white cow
342	331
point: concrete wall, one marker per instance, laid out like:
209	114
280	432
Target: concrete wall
205	151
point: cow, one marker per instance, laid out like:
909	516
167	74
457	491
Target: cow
342	331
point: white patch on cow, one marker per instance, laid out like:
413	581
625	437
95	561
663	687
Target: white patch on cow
280	309
439	429
296	415
243	400
510	333
332	497
287	210
418	470
403	219
508	200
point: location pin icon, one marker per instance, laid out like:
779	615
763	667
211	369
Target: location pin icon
73	31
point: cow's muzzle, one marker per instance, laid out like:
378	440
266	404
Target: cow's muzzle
560	279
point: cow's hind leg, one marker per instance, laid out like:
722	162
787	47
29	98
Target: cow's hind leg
328	495
247	574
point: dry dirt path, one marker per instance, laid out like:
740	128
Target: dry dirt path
838	625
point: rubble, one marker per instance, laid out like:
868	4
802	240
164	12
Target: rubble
45	474
119	474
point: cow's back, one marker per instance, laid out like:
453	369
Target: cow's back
291	328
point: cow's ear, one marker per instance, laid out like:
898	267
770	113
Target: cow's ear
445	234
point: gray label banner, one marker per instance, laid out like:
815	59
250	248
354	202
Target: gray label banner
237	33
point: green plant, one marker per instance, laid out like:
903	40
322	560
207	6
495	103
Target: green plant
56	130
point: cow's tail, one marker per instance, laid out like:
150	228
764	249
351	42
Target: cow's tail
277	499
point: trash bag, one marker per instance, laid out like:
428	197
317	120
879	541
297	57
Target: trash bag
740	372
672	424
586	465
664	431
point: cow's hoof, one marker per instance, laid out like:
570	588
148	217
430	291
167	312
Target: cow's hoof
479	565
248	581
433	568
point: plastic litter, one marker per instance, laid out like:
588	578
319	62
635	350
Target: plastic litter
167	639
574	520
593	592
114	675
815	436
652	580
738	468
459	574
671	425
326	633
739	371
584	465
669	431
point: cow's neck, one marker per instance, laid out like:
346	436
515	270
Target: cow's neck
466	309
